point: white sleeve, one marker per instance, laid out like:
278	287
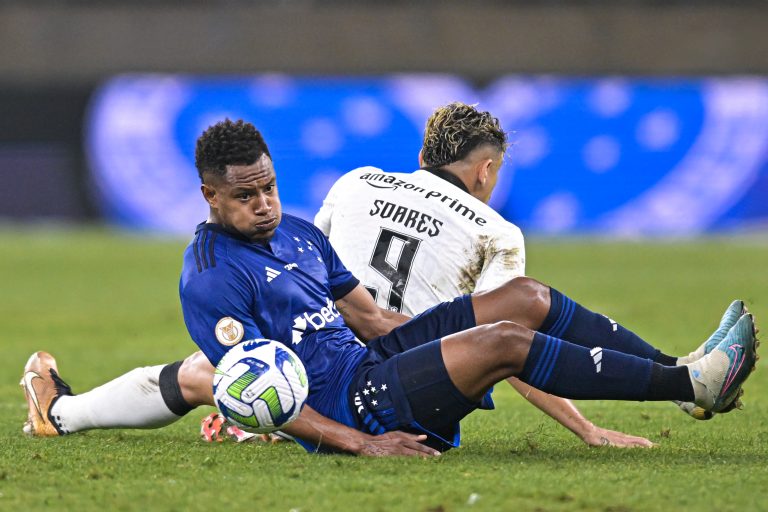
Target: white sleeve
506	259
339	191
323	216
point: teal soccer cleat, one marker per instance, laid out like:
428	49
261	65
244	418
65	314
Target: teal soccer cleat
736	310
718	376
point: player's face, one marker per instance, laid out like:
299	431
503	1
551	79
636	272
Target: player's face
245	199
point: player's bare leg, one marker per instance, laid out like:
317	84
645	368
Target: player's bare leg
195	380
537	306
480	357
522	300
534	305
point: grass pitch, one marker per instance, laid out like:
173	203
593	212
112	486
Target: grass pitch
104	303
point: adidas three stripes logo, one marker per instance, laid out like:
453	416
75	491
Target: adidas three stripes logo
597	358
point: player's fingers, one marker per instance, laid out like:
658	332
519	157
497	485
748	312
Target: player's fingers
399	435
627	441
644	443
416	448
403	443
414	444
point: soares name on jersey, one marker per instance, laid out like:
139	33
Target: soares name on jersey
408	217
383	180
417	239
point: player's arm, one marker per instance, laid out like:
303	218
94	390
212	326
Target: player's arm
326	433
365	317
564	412
361	314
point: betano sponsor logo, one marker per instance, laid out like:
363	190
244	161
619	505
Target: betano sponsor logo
313	321
382	180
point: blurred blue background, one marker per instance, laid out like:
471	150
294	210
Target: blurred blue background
629	118
609	156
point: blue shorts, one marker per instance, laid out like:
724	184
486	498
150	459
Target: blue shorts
403	383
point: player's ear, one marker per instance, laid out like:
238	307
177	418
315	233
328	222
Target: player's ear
483	169
421	159
209	193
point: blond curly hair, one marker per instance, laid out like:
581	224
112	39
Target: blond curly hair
456	129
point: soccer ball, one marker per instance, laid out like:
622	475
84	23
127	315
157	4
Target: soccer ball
260	385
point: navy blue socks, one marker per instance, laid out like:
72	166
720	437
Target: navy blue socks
572	371
570	321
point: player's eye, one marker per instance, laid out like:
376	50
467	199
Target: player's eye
269	188
244	196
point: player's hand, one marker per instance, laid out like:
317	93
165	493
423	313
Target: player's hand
597	436
396	443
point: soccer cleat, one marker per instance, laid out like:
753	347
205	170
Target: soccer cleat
42	387
211	426
736	310
718	376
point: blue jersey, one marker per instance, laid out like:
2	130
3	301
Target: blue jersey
233	290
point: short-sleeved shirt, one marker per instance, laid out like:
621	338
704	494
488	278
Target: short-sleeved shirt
418	239
232	289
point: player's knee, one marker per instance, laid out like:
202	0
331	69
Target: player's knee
508	343
531	297
196	380
529	288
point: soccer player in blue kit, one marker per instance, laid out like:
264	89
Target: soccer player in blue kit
252	272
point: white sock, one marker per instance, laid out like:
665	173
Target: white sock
132	400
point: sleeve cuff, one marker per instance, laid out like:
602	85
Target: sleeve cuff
343	289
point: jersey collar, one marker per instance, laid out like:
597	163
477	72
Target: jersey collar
447	176
209	226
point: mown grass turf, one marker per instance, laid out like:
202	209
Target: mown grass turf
104	303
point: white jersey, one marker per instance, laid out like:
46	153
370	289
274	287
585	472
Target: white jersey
415	240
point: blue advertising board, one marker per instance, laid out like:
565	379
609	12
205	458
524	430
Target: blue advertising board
610	156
